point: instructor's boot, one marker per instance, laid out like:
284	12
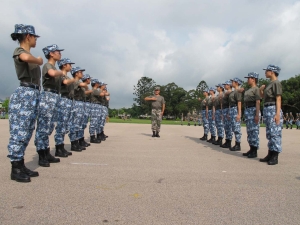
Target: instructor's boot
95	140
59	151
75	146
268	157
274	158
253	154
153	135
204	138
237	147
17	173
81	143
157	134
28	171
247	153
43	161
51	158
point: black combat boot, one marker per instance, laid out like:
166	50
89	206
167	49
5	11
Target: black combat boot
17	172
102	136
28	171
157	134
95	140
291	126
43	161
204	138
99	137
195	124
221	142
237	147
210	140
51	158
65	150
189	124
213	139
253	154
59	151
286	127
247	153
217	142
268	157
153	135
105	135
75	146
226	144
82	143
274	158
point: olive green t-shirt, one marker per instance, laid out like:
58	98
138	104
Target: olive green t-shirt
158	103
225	99
204	103
27	72
272	90
234	97
218	100
252	95
211	102
64	89
95	96
78	91
48	81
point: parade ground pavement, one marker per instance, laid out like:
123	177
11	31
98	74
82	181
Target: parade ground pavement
132	178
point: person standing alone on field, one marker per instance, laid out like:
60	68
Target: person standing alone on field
158	108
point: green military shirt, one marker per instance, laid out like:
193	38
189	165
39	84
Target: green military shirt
48	81
211	102
252	95
218	100
204	103
78	92
95	96
234	97
225	100
272	90
158	103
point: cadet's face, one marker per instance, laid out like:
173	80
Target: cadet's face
250	80
56	55
268	73
68	67
32	40
88	81
79	74
157	92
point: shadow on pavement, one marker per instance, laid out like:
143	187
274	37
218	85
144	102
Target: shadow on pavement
149	135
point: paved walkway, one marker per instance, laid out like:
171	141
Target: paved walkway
132	178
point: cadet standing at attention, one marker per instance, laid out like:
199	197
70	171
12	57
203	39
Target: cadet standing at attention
104	112
49	100
158	108
218	115
235	113
297	122
203	115
210	110
252	114
23	103
272	114
225	111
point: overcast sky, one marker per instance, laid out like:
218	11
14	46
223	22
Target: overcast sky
181	41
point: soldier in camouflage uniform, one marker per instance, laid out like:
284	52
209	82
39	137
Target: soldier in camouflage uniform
235	113
297	122
291	120
158	108
77	114
252	114
272	114
286	119
189	118
210	109
64	108
104	112
195	118
87	110
204	115
48	105
106	105
23	104
218	115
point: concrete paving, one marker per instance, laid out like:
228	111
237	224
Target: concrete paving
132	178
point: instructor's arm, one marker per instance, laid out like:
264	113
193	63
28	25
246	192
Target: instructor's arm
163	109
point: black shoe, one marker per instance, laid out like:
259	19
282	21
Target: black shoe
212	138
75	146
65	150
95	140
153	135
102	136
43	160
189	124
59	152
204	138
82	143
218	142
105	135
268	157
51	158
157	135
227	144
195	125
235	148
247	153
99	138
274	158
253	154
17	172
28	171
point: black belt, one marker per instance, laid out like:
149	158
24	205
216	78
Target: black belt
233	105
217	108
79	100
225	106
250	105
51	90
269	104
66	96
34	86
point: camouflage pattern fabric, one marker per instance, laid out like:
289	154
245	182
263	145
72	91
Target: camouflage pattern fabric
252	127
212	124
95	117
219	123
101	120
76	120
63	116
87	115
273	131
235	126
205	122
23	110
155	119
48	105
227	124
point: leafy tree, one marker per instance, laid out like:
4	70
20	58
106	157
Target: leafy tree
5	104
291	94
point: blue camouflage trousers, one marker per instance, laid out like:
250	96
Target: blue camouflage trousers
48	105
76	120
205	122
219	123
273	131
87	115
211	123
63	116
227	124
101	121
235	126
23	110
252	127
95	117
